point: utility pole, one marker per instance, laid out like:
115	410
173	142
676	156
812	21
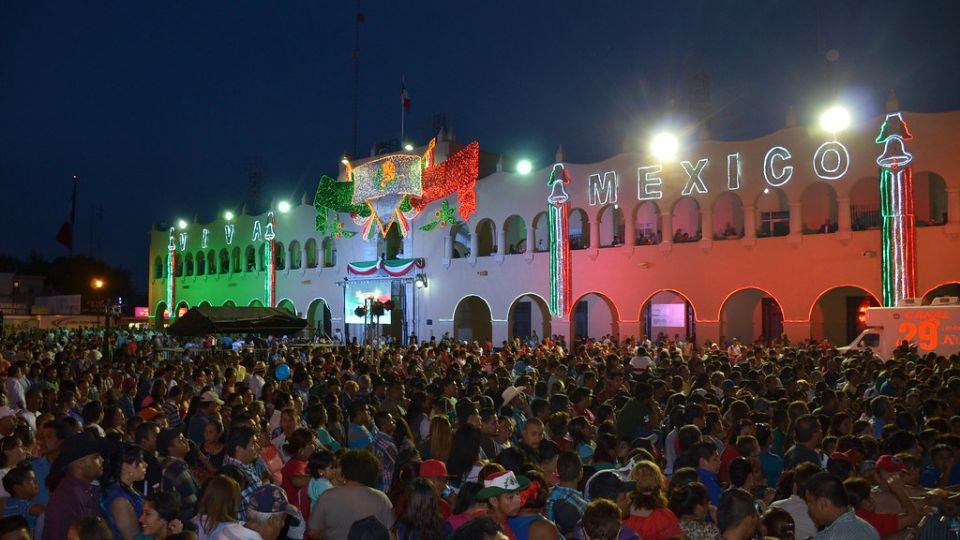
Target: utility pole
356	78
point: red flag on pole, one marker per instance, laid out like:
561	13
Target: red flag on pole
404	97
65	234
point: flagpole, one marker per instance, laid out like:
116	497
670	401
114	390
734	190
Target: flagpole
403	108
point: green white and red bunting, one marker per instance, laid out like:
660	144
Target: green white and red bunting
393	268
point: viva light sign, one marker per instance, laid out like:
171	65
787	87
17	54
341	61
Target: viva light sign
831	161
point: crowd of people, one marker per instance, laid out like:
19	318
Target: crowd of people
109	435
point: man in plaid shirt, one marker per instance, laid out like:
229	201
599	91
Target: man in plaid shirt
243	449
176	476
385	448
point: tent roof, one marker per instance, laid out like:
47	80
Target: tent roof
206	320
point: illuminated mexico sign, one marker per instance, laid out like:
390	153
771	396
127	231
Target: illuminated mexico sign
831	161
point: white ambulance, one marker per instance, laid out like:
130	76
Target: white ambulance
929	328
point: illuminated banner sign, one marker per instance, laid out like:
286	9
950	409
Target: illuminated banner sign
831	161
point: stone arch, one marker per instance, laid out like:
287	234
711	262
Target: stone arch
225	261
288	305
472	320
211	263
486	232
160	314
515	234
865	204
329	249
280	256
527	316
229	303
773	212
260	259
188	264
320	318
727	216
255	303
611	225
158	268
593	315
182	308
748	314
930	199
835	314
204	303
311	248
250	259
579	229
201	262
541	232
659	314
646	223
296	255
237	265
460	239
818	208
177	265
686	220
950	288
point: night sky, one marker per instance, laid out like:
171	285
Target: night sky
162	108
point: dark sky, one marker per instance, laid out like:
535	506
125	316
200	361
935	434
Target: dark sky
163	107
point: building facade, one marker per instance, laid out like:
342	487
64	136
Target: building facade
752	239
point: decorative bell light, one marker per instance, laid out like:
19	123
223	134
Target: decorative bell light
894	154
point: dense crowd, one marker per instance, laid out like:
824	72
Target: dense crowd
134	435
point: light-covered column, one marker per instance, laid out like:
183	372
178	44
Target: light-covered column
629	230
843	214
666	228
595	232
749	222
501	241
796	219
706	225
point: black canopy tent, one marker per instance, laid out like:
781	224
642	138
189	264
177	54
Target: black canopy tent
205	320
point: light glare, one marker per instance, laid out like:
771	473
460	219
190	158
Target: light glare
228	215
524	166
664	146
182	223
835	119
283	207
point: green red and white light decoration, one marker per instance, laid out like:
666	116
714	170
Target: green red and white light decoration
171	268
395	189
558	211
898	241
392	268
270	276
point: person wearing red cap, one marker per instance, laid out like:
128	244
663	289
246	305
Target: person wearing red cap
435	471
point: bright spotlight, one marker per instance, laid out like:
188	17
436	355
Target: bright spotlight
524	166
835	119
345	160
283	207
228	215
664	146
408	147
182	223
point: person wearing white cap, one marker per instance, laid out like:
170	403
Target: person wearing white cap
8	421
209	401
